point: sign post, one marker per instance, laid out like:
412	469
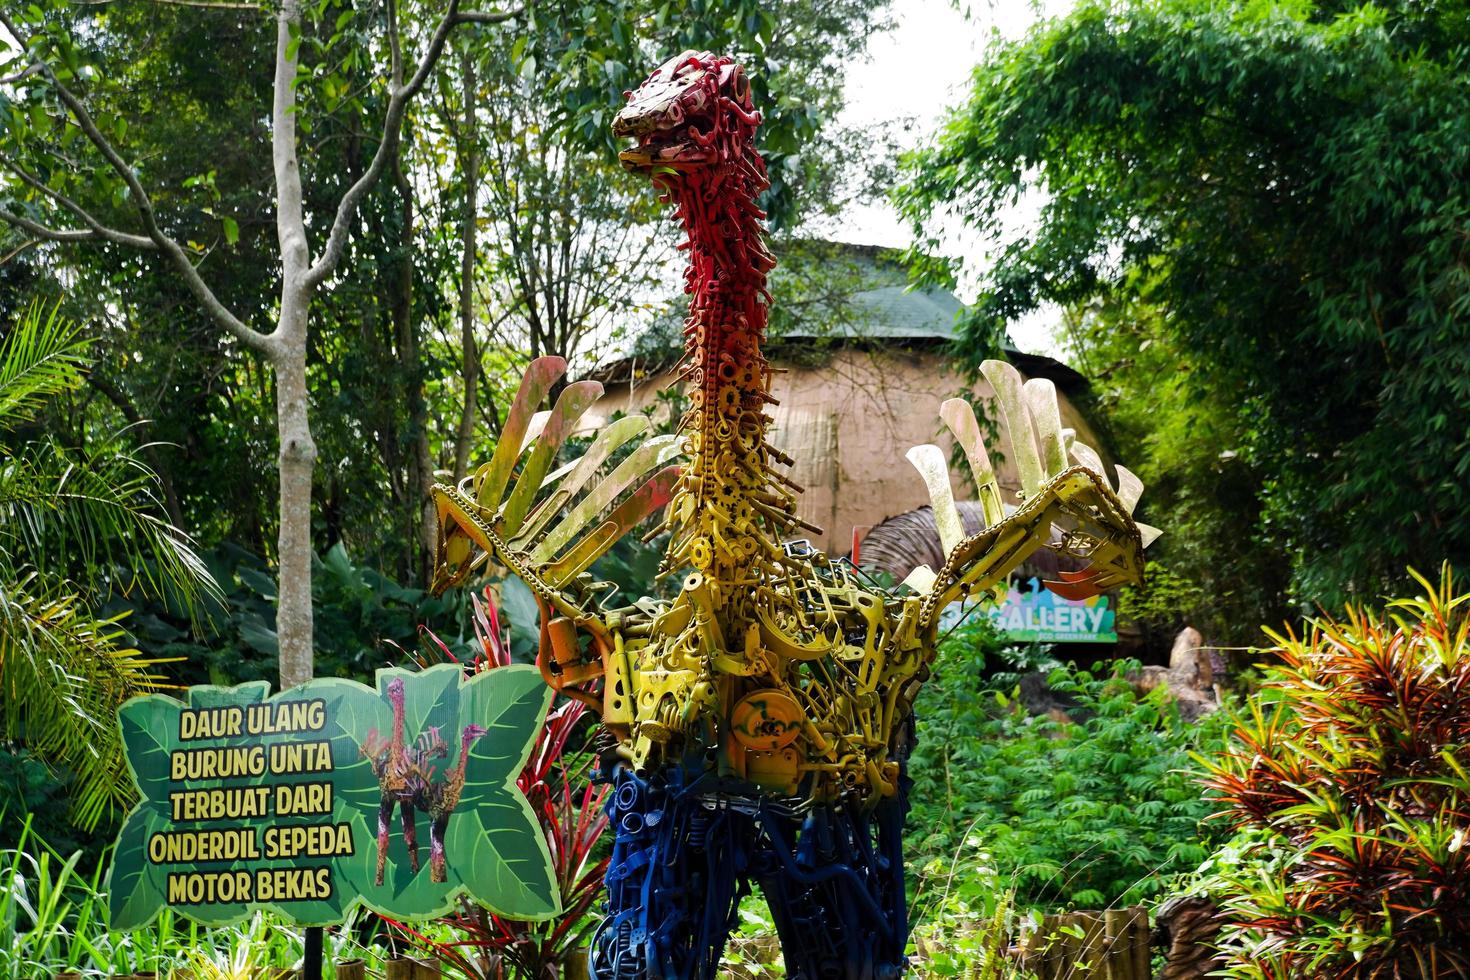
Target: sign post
333	793
1031	613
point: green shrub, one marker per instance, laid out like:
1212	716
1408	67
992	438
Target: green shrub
1348	783
1092	812
964	919
364	620
53	918
36	798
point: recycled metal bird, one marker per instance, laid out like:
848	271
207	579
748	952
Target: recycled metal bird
763	717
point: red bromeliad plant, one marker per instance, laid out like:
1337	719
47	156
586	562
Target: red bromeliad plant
1349	781
570	810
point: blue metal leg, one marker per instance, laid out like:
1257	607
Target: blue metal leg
834	884
676	877
833	879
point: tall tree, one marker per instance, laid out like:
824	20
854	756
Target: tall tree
57	122
571	254
1284	186
431	255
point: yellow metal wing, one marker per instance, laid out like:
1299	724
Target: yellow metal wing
548	526
1065	503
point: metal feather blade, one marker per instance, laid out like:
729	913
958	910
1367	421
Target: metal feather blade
1015	418
1130	488
959	416
930	462
650	455
921	579
575	399
1086	456
628	515
1046	417
491	479
575	474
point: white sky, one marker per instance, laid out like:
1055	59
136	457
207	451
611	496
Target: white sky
917	70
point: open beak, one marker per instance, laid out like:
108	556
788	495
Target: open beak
680	154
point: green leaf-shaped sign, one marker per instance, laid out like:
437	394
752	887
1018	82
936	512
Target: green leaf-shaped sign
402	798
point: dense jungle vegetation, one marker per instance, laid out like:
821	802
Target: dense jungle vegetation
1253	222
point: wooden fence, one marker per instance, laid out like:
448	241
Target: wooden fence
1110	945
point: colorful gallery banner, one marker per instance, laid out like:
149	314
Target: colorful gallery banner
403	798
1030	613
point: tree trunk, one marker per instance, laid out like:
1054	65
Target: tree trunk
297	461
288	357
470	355
420	461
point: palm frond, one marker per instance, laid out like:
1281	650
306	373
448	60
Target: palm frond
83	515
63	673
42	355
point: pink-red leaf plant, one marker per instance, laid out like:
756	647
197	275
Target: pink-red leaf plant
1347	779
476	942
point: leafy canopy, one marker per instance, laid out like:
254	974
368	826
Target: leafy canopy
1285	185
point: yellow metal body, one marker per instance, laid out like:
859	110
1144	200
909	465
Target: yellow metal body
775	666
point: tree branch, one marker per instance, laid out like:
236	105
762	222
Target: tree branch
398	99
20	76
180	259
100	230
49	234
205	4
285	165
487	16
28	243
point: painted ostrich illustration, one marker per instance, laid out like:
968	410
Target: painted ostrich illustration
406	780
397	781
426	747
440	799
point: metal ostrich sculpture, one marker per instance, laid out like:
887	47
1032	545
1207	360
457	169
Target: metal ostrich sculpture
763	718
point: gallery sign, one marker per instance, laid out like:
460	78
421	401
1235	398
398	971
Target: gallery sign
1031	613
403	798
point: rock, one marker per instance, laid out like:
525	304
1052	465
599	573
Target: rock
1184	655
1190	677
1149	678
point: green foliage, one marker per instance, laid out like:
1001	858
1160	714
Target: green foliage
75	524
28	786
965	918
794	54
364	620
1283	184
1164	604
754	948
1184	436
1347	779
53	919
568	250
1090	812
